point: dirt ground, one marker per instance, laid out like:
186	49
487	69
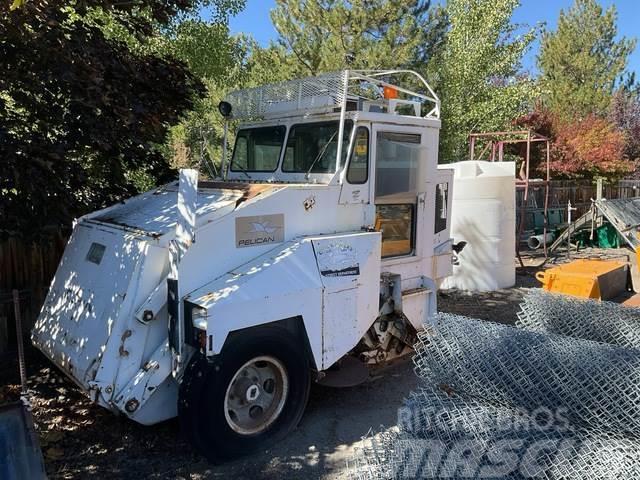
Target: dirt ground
81	440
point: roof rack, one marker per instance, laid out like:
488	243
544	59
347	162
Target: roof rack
369	90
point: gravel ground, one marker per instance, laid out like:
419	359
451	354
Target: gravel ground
81	440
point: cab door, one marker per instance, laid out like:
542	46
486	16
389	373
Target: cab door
397	185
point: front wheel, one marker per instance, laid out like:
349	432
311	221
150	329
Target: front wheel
250	396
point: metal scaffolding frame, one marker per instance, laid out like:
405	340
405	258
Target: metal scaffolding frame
494	149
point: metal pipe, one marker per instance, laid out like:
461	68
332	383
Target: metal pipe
18	319
434	98
537	241
343	112
546	197
569	210
472	148
223	164
525	198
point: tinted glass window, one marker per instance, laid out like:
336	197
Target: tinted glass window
442	195
397	158
258	149
312	147
359	165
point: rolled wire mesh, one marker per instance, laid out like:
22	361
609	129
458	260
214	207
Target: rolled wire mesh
375	457
597	385
443	436
548	444
586	319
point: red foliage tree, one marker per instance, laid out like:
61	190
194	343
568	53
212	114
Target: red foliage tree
589	148
581	148
539	120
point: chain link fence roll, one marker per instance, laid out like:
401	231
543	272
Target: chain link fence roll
443	436
587	319
598	385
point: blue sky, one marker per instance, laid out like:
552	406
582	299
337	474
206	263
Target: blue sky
255	20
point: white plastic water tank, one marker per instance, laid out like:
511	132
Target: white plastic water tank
483	214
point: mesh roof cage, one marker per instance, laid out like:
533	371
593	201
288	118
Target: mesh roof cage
331	91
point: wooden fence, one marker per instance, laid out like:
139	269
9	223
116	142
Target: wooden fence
561	192
29	268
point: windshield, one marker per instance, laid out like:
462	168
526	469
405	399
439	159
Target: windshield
312	147
258	149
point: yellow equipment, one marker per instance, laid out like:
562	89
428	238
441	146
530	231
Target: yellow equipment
600	279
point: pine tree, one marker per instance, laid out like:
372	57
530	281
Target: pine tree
326	35
582	63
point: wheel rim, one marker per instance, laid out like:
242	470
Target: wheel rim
256	395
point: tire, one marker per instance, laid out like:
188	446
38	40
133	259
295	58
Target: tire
248	397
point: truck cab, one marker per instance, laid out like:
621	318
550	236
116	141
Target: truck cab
314	257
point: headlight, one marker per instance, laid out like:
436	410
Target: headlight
199	318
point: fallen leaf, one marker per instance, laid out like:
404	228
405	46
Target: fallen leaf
54	453
16	4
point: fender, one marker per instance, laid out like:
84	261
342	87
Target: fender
299	279
283	283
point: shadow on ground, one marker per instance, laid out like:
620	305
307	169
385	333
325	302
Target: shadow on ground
82	440
499	306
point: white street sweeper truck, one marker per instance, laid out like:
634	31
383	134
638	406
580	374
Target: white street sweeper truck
314	257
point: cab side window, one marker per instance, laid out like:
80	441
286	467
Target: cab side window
397	161
442	197
358	171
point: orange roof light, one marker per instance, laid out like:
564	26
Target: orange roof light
389	93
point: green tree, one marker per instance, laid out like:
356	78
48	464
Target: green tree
86	101
314	36
325	35
476	74
218	60
581	62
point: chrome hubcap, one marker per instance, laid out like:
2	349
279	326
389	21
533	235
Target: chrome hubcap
256	395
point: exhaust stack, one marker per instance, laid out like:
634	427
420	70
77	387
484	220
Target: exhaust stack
185	236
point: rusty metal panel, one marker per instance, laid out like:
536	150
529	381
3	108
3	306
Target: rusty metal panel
624	215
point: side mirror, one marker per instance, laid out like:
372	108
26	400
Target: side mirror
225	109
